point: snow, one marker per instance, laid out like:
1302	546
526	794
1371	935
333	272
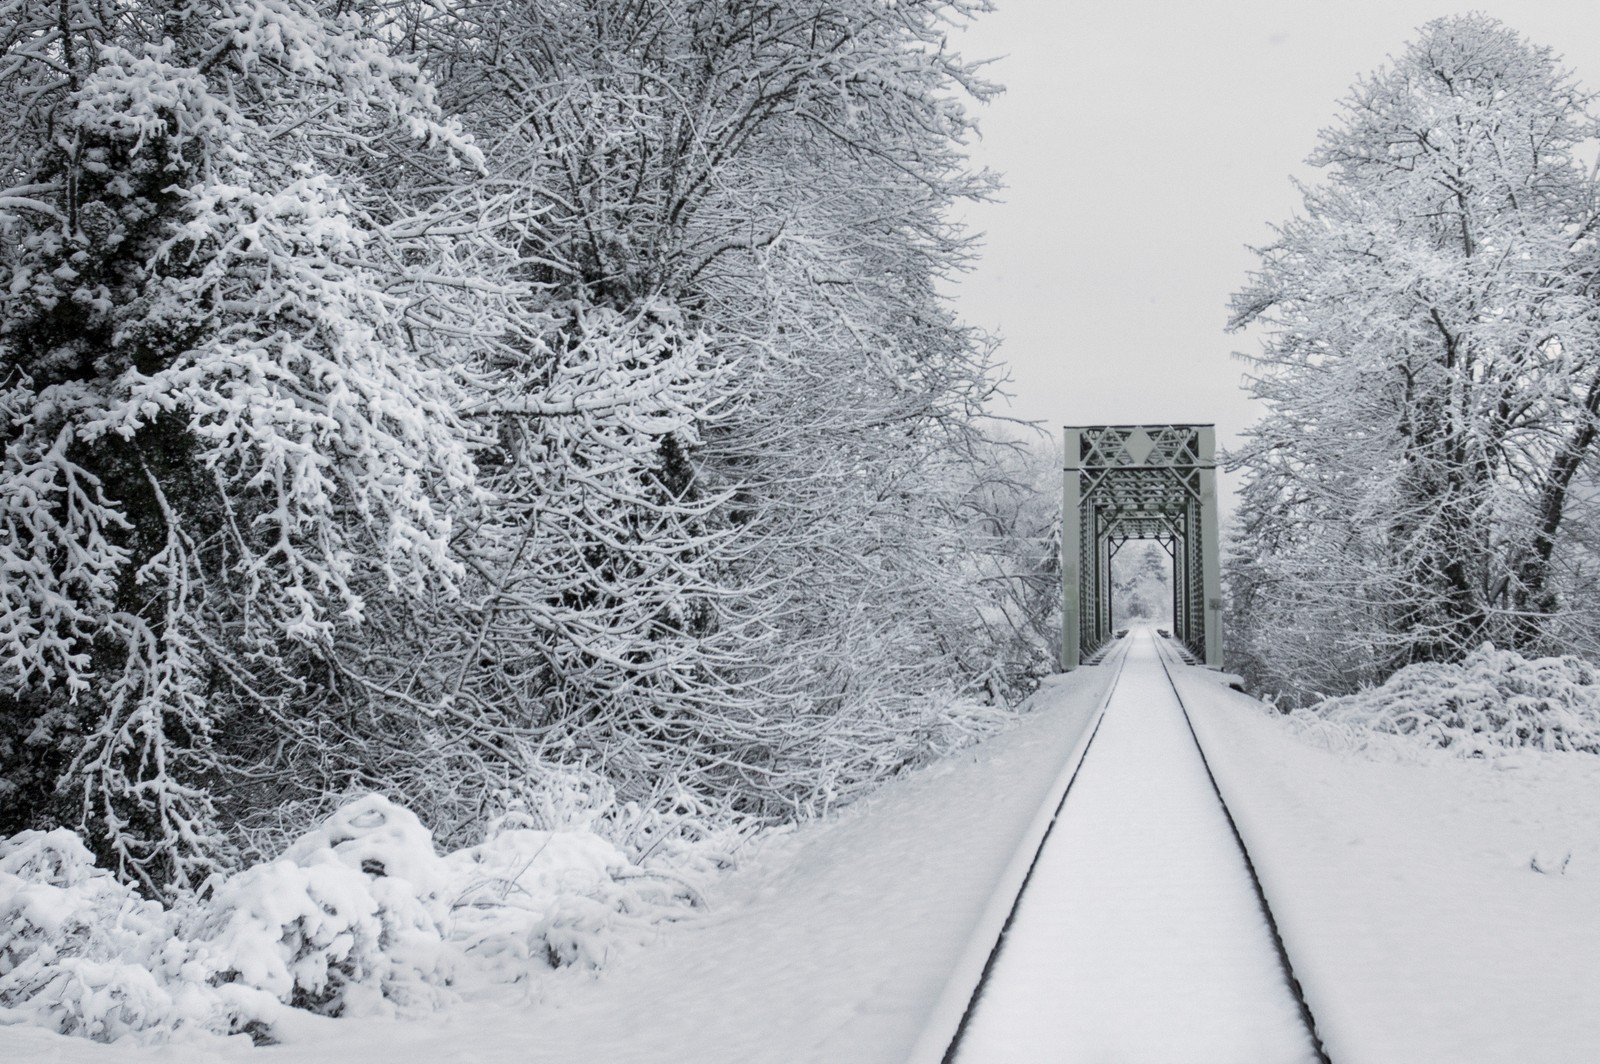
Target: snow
836	942
1489	701
358	917
1409	889
1140	936
1434	908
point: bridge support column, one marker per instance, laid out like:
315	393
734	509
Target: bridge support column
1210	565
1071	552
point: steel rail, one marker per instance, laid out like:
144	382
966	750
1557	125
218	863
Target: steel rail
923	1051
1164	652
1285	965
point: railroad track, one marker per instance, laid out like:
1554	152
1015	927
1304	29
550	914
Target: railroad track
1140	927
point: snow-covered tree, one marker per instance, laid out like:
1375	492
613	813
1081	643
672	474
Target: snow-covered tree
1429	370
598	406
1142	583
227	435
772	178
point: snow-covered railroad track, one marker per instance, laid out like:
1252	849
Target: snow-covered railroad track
1141	934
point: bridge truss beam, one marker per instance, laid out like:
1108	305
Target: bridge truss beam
1126	482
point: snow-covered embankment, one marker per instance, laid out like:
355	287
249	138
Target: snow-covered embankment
1434	907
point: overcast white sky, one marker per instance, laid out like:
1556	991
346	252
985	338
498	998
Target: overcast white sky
1145	143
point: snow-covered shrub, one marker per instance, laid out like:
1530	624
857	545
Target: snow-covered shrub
1491	701
547	896
359	916
346	921
79	952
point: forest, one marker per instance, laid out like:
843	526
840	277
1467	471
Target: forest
447	399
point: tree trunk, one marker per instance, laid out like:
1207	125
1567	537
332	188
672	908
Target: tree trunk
1533	600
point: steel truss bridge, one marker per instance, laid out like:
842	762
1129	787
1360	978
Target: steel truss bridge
1126	482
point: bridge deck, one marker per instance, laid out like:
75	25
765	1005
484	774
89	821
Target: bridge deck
1139	937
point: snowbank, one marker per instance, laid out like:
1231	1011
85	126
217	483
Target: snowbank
1494	700
359	917
1435	907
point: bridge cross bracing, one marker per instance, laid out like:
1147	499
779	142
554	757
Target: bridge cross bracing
1127	482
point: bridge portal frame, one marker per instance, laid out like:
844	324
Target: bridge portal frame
1125	482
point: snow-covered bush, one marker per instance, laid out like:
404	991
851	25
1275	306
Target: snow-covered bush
80	952
359	916
348	920
1493	700
561	898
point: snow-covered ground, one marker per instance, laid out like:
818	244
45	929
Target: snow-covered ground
1140	937
835	943
1434	908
